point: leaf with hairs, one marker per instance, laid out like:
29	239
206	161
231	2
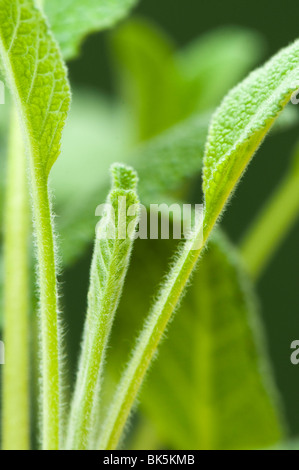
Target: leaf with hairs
36	75
166	165
210	387
242	122
113	246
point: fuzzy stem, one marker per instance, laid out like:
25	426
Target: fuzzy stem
148	340
108	270
15	421
49	329
52	390
271	225
50	341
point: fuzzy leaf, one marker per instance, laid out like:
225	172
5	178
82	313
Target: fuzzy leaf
113	245
220	365
37	77
210	387
241	123
165	164
73	20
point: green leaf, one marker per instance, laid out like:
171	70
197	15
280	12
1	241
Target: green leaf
149	78
238	127
37	77
166	165
268	231
114	241
213	358
93	124
291	444
38	81
73	20
214	63
241	123
188	79
210	387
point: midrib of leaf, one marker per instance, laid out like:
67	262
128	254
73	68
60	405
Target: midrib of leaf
43	148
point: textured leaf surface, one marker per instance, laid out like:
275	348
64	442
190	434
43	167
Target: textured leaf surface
209	387
37	77
242	121
165	164
113	245
72	20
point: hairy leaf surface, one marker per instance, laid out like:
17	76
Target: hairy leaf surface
210	387
113	245
37	77
241	123
165	164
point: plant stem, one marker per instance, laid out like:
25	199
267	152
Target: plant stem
49	330
15	424
50	340
52	390
148	341
271	225
108	270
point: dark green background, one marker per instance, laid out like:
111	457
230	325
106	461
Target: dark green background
279	287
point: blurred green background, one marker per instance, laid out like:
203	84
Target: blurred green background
277	22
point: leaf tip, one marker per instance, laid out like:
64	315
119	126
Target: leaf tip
124	177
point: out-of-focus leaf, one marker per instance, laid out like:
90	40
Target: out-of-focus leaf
95	136
215	62
210	387
287	445
268	231
163	86
149	77
3	141
1	290
167	163
288	119
73	20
